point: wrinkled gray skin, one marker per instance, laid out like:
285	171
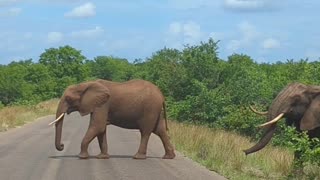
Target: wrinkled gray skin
301	107
135	104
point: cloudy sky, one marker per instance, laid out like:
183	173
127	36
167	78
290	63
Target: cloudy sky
266	30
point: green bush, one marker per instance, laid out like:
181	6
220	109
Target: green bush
307	149
242	120
206	106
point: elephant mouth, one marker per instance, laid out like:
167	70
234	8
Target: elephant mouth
71	109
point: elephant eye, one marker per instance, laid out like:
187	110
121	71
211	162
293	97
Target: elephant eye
290	110
68	99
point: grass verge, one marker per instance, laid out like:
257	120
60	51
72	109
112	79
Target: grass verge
15	116
222	152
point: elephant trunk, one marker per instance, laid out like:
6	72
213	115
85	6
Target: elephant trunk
59	145
274	111
263	141
61	109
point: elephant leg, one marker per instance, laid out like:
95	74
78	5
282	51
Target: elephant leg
168	147
142	151
90	134
97	126
102	139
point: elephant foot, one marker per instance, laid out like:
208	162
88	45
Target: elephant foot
103	156
169	155
83	155
140	156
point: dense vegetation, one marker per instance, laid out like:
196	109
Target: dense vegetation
200	87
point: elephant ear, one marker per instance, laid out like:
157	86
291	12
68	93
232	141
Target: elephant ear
94	96
311	118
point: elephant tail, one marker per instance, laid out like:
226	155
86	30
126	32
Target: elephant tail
165	114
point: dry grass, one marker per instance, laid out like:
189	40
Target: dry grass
15	116
222	152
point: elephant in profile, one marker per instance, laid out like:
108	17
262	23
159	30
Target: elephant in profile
135	104
299	105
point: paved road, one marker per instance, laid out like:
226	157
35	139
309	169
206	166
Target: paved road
28	153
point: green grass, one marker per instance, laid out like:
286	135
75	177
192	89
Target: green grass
217	150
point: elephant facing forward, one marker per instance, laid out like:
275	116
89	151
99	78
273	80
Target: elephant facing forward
299	105
135	104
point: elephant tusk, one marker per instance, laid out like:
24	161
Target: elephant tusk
58	119
258	112
272	121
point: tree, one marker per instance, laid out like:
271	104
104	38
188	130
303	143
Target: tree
111	68
164	68
243	80
43	84
13	87
64	61
66	64
201	62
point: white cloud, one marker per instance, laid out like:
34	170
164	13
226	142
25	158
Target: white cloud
7	2
248	34
183	33
12	12
88	33
192	4
12	42
248	31
270	43
82	11
175	28
54	37
251	5
192	30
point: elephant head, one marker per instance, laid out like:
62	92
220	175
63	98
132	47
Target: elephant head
299	104
85	98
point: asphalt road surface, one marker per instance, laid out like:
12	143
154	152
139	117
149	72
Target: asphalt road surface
28	153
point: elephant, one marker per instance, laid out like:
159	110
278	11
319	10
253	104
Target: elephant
134	104
299	105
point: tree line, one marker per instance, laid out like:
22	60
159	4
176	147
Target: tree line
199	86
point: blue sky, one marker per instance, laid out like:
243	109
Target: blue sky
266	30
